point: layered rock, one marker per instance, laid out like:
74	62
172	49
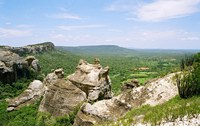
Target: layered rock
14	67
61	96
153	93
33	49
34	91
93	80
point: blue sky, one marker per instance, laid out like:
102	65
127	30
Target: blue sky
163	24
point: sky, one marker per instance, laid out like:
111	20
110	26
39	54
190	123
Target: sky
146	24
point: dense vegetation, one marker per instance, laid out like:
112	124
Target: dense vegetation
122	68
189	80
50	61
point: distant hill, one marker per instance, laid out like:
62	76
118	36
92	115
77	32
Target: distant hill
113	50
97	50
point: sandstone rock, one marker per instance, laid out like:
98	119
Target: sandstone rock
130	84
61	96
12	67
34	49
53	77
153	93
33	63
34	91
93	80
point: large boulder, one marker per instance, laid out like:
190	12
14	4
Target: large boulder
61	96
12	67
33	63
34	91
93	79
153	93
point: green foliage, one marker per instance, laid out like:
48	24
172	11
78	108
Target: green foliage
26	116
170	110
188	81
45	119
57	59
14	89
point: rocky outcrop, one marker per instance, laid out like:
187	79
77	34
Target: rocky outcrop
33	63
34	91
61	96
34	49
181	121
89	82
153	93
130	84
14	67
93	80
31	49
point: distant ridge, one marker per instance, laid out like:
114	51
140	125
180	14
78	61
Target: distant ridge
97	49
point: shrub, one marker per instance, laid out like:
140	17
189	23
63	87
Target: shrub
189	81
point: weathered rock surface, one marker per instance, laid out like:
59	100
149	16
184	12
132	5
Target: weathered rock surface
61	96
153	93
34	91
184	121
14	67
93	80
130	85
33	49
33	63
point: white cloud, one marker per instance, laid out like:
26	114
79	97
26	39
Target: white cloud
167	9
75	27
65	16
157	10
10	33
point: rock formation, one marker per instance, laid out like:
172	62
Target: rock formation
31	49
93	80
33	63
14	67
34	91
153	93
130	84
61	96
34	49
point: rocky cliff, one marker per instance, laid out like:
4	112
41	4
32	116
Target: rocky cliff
13	67
32	49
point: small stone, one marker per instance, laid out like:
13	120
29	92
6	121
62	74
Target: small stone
10	109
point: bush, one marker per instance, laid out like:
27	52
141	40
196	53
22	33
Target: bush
189	81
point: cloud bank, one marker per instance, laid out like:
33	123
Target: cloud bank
157	10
